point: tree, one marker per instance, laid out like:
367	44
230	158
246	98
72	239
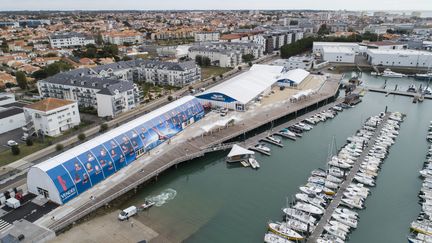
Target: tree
21	80
239	68
29	141
250	64
15	150
170	98
59	147
214	79
99	39
221	76
81	136
198	60
323	30
248	58
103	127
206	62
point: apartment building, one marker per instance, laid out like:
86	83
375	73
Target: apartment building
70	39
51	116
120	38
295	62
206	36
225	54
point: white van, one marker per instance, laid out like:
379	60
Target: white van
13	203
128	212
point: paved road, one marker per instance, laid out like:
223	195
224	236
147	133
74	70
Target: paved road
336	201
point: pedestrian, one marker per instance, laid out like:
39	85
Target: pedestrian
131	224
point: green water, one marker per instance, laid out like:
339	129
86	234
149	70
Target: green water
215	203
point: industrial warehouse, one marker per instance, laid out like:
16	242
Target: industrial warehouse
240	91
70	173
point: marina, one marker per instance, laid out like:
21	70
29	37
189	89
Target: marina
195	182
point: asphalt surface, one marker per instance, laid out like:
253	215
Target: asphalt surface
28	211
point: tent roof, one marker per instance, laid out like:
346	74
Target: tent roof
295	75
237	150
248	85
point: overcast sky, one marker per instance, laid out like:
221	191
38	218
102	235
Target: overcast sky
214	4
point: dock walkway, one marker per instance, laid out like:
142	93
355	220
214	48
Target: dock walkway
397	92
336	201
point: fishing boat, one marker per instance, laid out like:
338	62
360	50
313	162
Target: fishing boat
390	74
274	238
284	231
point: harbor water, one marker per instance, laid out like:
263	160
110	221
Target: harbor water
209	201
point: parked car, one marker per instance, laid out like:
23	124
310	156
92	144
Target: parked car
11	143
128	212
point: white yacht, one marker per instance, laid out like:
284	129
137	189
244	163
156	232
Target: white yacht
390	74
284	231
345	219
274	238
309	208
262	147
273	139
335	231
299	215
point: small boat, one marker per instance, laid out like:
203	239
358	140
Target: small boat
298	225
262	147
309	208
147	204
423	76
273	139
319	172
284	231
299	215
346	212
315	201
335	231
344	219
390	74
412	89
253	162
274	238
340	226
337	108
421	227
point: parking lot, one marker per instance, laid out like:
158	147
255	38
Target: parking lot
11	135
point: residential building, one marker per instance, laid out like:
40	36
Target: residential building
11	113
51	116
225	54
120	38
70	39
206	36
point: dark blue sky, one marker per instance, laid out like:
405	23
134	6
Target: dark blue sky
215	4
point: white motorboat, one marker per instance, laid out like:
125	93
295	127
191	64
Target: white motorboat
337	108
273	139
339	164
316	180
284	231
345	219
340	226
390	74
346	211
274	238
299	226
365	180
337	172
147	204
254	163
334	179
309	208
327	238
331	185
421	227
315	201
299	215
319	172
335	231
310	189
352	203
262	147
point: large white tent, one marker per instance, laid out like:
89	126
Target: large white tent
293	77
240	90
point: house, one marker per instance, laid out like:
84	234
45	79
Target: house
6	78
52	116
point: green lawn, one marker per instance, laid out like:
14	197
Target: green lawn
207	72
6	157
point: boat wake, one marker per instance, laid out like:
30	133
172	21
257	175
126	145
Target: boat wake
163	197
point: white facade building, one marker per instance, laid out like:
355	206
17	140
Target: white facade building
318	47
70	39
295	62
206	36
240	91
52	116
400	58
11	119
338	54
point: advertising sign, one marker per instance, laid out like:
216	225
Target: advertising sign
92	167
105	161
126	147
115	153
63	182
79	174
